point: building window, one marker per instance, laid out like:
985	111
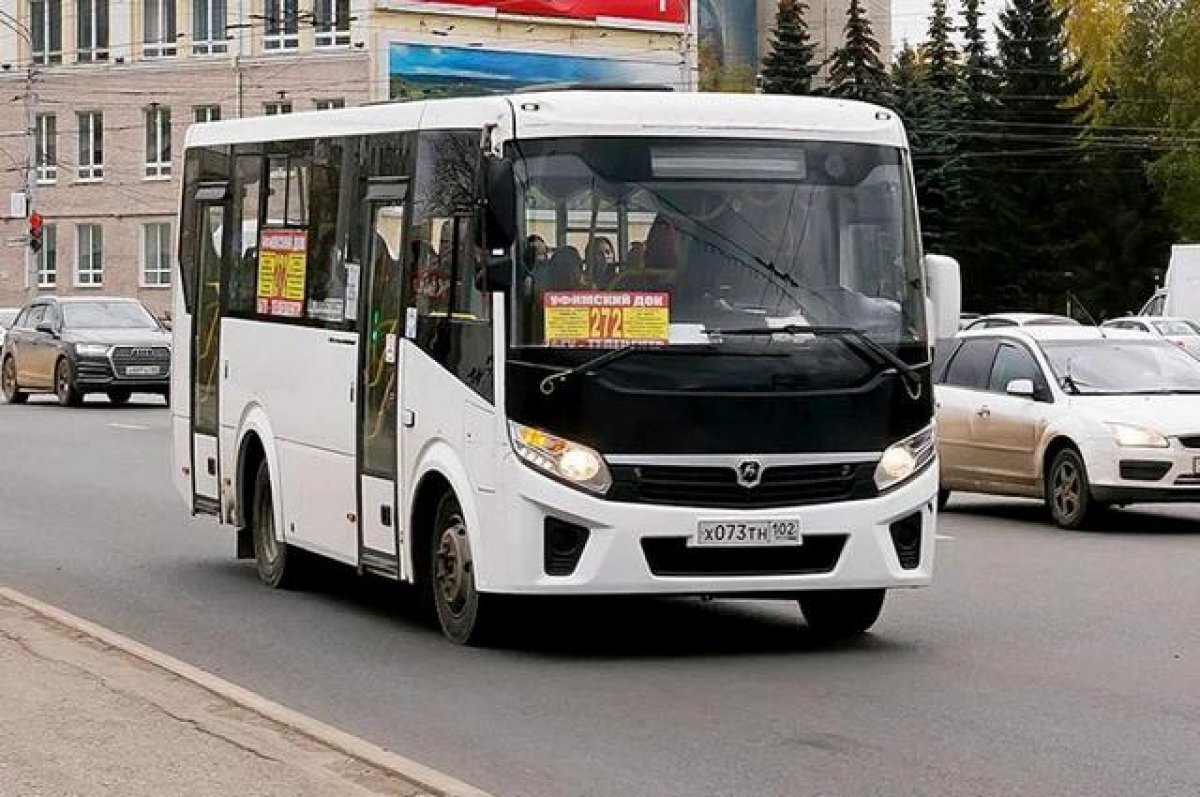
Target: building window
47	258
332	23
91	18
158	28
46	131
208	27
156	254
329	105
158	141
89	253
207	113
91	145
45	18
282	30
277	108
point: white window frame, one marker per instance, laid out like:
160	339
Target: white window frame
165	45
91	163
46	133
46	23
89	11
156	270
281	30
205	113
210	25
47	259
331	104
277	108
158	133
93	275
332	29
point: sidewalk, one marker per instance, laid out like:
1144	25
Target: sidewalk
80	718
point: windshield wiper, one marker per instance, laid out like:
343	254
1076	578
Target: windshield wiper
551	382
854	339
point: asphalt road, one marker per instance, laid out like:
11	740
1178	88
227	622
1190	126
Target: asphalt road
1042	662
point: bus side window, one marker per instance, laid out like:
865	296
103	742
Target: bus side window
454	316
243	262
205	165
325	282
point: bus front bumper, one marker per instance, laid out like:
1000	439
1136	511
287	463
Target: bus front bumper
560	540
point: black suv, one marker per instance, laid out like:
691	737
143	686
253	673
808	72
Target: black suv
73	347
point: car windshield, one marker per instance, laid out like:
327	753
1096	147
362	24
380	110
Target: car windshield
707	235
1111	367
1174	328
106	315
7	317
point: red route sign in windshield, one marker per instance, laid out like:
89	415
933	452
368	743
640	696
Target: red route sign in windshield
647	10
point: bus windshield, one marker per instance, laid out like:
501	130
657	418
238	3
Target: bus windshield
686	238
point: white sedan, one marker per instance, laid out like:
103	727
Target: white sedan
1183	333
1079	417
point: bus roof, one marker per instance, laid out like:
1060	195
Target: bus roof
585	113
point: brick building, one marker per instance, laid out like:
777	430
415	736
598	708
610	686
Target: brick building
102	91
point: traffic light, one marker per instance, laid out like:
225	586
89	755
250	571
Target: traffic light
35	231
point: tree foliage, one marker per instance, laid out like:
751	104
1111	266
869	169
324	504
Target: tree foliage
789	67
855	70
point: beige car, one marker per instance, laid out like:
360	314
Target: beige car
1077	416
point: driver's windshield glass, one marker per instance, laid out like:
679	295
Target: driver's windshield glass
1122	367
106	315
713	234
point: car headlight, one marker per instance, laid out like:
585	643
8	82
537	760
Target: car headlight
903	460
91	349
1128	436
571	462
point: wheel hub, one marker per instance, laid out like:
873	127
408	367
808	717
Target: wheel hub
452	566
1066	489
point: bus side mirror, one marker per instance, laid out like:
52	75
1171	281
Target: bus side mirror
495	274
945	295
499	225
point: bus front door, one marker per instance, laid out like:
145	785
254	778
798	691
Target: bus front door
211	210
380	525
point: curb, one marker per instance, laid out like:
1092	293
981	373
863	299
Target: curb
427	778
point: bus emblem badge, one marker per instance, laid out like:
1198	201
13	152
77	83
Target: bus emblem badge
749	473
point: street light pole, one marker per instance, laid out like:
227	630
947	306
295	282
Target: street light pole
33	158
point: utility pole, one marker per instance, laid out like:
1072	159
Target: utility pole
31	170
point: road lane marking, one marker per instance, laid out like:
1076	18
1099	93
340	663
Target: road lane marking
426	777
133	427
944	537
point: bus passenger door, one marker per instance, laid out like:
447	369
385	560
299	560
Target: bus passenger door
380	529
212	214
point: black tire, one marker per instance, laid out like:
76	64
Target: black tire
119	396
943	499
65	386
278	564
8	383
466	616
1068	491
840	614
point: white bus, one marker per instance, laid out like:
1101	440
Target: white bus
565	343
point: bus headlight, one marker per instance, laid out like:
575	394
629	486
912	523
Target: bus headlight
571	462
905	459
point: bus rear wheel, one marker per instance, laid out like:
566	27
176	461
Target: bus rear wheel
840	614
466	616
277	563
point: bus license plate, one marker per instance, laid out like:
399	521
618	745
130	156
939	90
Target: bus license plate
736	533
143	370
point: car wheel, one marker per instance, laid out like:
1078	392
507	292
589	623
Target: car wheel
64	385
8	383
1068	492
120	396
839	614
279	565
466	616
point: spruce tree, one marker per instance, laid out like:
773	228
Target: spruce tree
978	64
940	53
788	67
855	71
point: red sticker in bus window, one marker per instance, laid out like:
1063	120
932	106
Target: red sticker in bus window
606	319
282	266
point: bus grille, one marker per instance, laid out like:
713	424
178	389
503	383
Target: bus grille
671	556
717	486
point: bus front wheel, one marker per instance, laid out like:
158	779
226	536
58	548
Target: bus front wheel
466	616
278	565
839	614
